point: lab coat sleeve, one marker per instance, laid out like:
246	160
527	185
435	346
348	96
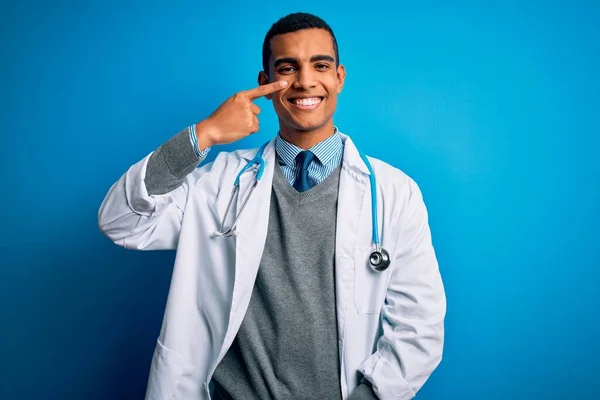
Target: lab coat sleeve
133	217
410	347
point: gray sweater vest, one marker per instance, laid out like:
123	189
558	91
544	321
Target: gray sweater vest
287	347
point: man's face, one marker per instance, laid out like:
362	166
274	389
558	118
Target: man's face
306	59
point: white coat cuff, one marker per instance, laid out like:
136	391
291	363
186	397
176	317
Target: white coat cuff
384	378
136	193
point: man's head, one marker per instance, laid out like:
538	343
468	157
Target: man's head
301	49
292	23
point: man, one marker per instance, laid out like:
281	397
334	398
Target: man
287	307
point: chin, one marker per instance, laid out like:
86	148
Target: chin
306	127
301	125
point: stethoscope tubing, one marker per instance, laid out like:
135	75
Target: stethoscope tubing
379	253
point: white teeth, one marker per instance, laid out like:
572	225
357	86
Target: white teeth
307	102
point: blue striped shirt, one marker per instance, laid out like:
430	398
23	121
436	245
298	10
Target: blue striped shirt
328	154
194	140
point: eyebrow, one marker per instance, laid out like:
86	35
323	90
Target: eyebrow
291	60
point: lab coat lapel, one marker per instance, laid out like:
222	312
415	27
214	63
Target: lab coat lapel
353	197
250	241
353	202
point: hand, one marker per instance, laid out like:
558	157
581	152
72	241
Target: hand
236	118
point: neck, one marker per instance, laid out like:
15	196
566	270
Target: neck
306	139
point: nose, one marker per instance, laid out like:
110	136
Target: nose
305	79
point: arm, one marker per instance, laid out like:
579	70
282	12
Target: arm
410	347
144	208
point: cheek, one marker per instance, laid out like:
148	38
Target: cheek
277	100
333	86
332	100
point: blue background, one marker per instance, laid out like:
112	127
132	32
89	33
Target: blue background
492	109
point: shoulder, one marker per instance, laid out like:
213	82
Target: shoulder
391	181
391	178
233	158
225	164
399	192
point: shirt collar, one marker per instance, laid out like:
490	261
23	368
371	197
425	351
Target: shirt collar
325	151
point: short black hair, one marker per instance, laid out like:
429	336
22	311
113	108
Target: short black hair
292	23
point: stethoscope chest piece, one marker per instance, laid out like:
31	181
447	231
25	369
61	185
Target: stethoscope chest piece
379	259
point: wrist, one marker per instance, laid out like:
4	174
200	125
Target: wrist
204	135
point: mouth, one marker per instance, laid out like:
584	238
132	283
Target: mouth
306	103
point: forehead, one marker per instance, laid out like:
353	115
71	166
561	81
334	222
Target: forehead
302	44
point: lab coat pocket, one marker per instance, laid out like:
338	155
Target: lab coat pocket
369	285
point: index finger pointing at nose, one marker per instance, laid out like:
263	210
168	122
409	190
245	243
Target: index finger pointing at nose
264	90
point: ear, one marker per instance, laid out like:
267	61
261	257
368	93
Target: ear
341	77
263	79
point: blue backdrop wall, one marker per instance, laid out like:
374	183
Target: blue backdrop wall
492	109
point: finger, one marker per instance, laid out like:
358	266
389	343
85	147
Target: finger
254	124
266	89
254	108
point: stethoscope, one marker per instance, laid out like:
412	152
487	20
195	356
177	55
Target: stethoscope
379	258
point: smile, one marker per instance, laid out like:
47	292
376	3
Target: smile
308	103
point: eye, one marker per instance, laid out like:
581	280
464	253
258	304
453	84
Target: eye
286	70
322	67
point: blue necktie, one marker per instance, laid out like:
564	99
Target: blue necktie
304	158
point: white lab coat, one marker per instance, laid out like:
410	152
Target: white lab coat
390	324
